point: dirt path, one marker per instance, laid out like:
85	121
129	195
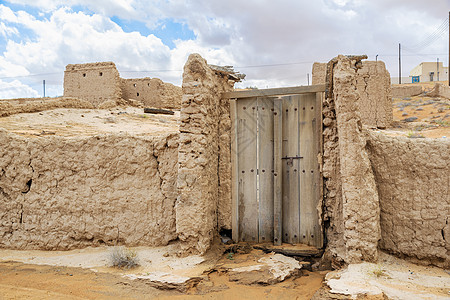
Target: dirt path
24	281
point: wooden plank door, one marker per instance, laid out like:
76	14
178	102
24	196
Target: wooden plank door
276	177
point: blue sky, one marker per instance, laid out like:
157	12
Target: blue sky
273	42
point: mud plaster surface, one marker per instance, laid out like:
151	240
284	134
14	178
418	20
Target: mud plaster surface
63	189
413	182
204	158
88	122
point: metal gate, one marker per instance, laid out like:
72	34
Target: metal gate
276	180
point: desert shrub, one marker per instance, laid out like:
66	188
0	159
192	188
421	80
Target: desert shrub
122	257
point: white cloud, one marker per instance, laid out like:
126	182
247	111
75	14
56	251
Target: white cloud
234	32
7	31
16	89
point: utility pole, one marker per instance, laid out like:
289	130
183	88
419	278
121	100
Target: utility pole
437	69
307	74
43	84
399	64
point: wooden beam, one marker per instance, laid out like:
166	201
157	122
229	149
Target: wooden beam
234	172
276	91
277	175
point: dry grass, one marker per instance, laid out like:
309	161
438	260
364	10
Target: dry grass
122	257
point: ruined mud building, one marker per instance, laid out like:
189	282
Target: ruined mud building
100	84
379	192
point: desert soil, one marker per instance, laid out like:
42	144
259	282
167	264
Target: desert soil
428	116
53	276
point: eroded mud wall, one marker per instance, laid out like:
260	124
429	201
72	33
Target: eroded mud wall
152	92
61	193
402	91
29	105
374	86
204	153
350	198
413	180
359	195
93	82
440	90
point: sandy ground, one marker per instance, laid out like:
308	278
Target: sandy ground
431	117
85	274
86	122
393	277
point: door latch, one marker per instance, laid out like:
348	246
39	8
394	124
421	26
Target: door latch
290	159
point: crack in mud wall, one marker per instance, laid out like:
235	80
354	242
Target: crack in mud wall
413	181
62	193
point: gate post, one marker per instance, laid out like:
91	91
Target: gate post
234	173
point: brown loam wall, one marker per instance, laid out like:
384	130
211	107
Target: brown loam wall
401	91
93	82
60	193
440	90
373	84
413	180
204	150
360	210
319	72
29	105
152	92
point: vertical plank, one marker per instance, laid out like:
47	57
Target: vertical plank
318	136
247	168
265	167
291	164
234	172
277	171
285	172
309	147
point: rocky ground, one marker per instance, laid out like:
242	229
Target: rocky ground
421	116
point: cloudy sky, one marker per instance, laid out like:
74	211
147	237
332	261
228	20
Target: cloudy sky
273	42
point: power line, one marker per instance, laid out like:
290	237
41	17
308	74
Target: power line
429	40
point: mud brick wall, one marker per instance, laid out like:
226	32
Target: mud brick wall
351	209
374	86
61	193
360	206
402	91
29	105
440	90
204	153
413	180
152	92
93	82
319	72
